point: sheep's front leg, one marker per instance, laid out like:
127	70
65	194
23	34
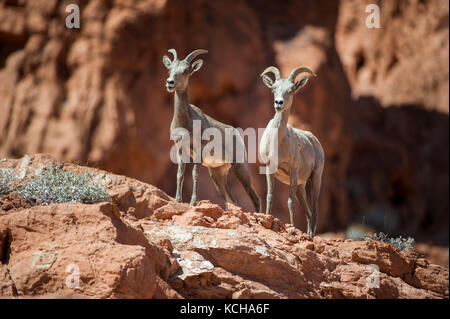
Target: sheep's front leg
194	200
180	179
270	185
292	192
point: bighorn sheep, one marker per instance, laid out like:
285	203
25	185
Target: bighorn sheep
184	116
300	155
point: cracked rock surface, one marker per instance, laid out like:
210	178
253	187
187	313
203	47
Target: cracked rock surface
144	245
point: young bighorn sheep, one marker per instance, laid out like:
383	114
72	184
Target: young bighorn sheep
300	155
184	116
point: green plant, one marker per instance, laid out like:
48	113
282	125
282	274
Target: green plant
54	185
399	242
7	177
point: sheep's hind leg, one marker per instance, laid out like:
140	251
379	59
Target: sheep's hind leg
292	191
270	186
194	200
302	199
316	181
219	177
241	171
180	179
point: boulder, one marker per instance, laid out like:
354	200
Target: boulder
105	250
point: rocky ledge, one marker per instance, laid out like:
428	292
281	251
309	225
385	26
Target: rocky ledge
144	245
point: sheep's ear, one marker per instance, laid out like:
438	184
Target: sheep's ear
300	83
195	66
166	61
267	81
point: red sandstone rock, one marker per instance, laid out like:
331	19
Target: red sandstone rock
233	254
170	210
402	61
48	244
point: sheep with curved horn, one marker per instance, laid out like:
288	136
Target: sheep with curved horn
184	116
300	157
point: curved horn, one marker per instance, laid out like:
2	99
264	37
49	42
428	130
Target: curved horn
174	53
297	71
274	70
191	56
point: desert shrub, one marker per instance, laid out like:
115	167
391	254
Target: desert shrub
54	185
7	177
399	242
